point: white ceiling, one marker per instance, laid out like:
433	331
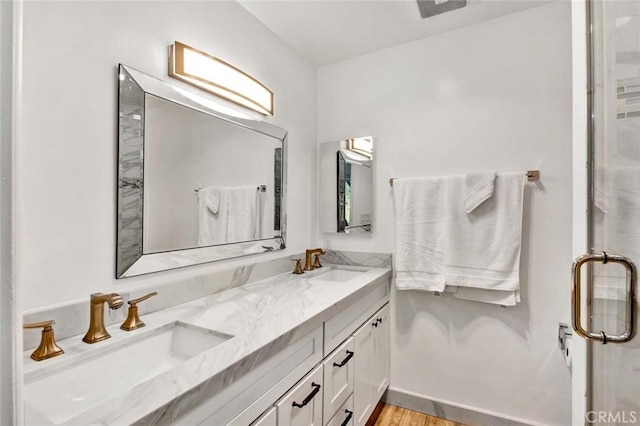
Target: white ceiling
326	31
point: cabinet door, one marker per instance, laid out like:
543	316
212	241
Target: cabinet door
362	390
269	418
302	405
338	377
380	354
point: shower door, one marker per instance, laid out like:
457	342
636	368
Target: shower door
606	311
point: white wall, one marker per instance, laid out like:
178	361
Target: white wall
66	160
496	95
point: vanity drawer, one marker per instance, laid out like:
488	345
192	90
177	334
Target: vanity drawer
341	326
338	377
344	415
302	405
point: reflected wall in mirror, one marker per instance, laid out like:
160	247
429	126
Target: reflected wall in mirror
346	185
195	184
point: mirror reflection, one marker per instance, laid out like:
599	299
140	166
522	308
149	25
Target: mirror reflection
194	184
208	182
346	185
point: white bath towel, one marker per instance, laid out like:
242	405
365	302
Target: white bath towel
478	188
420	224
483	247
227	214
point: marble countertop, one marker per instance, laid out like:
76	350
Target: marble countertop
264	317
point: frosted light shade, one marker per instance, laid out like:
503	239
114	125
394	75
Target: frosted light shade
218	77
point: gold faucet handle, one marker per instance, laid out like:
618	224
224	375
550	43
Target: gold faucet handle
48	347
43	324
316	261
133	321
134	302
298	269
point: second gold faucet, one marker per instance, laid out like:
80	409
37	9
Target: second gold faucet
308	264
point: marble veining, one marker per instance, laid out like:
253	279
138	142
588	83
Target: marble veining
265	317
73	319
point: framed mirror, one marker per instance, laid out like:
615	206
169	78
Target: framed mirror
346	186
196	183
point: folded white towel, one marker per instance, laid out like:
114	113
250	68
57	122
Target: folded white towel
478	188
227	215
483	247
211	198
420	224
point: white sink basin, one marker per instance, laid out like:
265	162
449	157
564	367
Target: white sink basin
338	275
68	391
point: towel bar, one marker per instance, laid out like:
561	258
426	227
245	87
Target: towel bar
532	176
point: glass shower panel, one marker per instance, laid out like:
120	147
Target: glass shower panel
615	219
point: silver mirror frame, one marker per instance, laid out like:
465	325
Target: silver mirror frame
130	259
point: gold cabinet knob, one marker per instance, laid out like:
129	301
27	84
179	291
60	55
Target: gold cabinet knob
48	347
133	321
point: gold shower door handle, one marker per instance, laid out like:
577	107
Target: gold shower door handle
576	285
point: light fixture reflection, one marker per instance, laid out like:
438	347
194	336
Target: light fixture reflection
218	77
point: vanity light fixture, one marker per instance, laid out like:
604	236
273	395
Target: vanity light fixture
215	76
362	146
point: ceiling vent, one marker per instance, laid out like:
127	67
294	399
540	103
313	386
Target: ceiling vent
429	8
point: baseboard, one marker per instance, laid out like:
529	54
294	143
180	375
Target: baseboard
448	411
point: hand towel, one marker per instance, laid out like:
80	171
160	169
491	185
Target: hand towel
227	215
483	247
478	188
420	224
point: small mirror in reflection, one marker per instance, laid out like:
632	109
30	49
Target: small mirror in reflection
346	185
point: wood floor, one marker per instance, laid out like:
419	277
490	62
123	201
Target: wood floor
390	415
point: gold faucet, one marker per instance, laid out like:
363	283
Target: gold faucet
308	265
97	331
48	347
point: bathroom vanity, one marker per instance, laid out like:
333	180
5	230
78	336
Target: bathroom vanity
309	349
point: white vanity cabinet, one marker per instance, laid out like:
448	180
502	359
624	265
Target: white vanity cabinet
333	376
371	364
302	405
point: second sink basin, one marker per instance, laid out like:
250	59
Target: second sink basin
69	391
338	275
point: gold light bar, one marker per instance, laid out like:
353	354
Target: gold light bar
215	76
